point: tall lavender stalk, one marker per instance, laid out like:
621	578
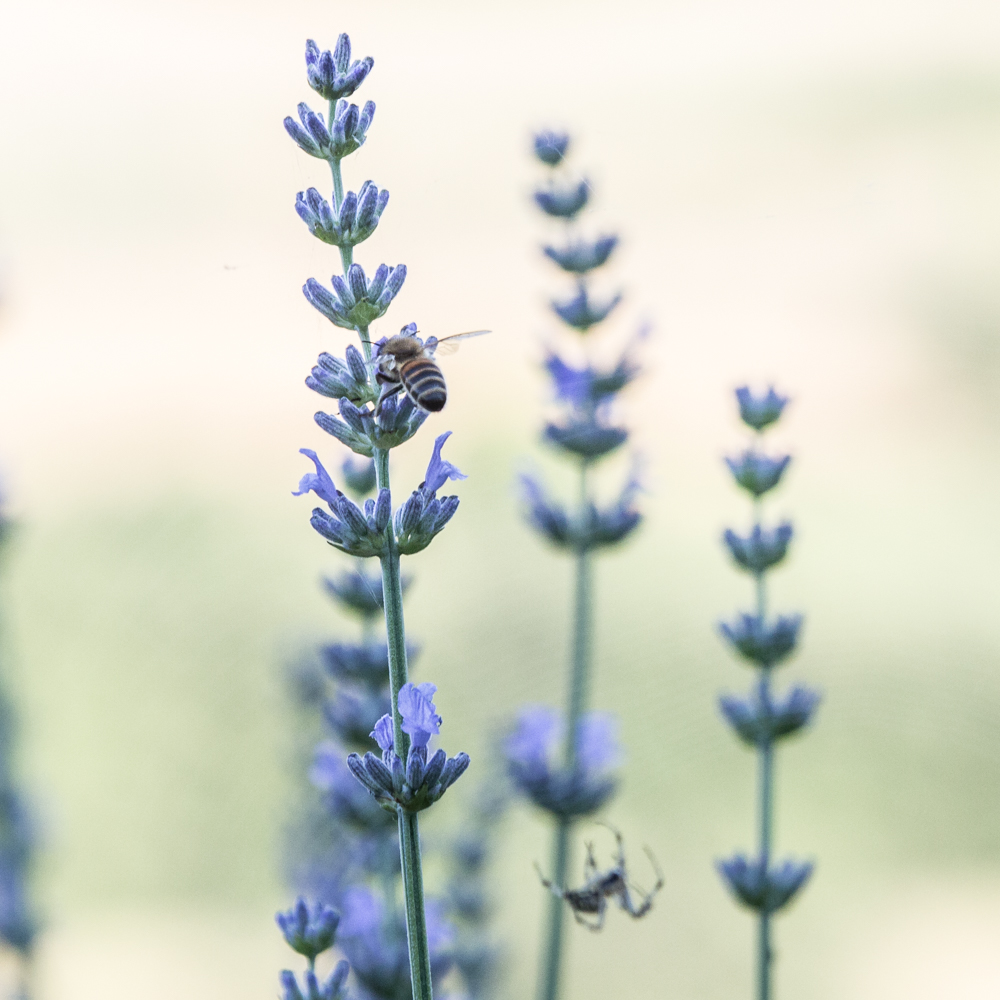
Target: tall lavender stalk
581	780
763	717
403	781
18	921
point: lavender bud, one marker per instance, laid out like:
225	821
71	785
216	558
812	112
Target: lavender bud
761	549
550	147
565	202
333	75
759	412
309	930
757	473
765	643
581	313
586	438
762	889
580	257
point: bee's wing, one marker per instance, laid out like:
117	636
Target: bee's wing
448	345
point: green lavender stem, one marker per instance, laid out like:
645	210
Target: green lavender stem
577	705
765	763
409	835
346	253
548	985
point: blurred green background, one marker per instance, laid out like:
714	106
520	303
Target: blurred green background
807	193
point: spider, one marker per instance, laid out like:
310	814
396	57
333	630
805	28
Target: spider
599	887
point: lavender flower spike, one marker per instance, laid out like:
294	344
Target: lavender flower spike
578	780
763	718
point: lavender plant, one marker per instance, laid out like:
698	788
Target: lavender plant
18	922
565	763
477	953
406	778
763	717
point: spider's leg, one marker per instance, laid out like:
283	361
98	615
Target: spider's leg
660	881
625	902
590	865
591	926
551	886
602	910
625	897
621	849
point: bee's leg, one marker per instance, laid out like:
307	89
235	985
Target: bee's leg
388	389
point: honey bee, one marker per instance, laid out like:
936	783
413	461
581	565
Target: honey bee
406	363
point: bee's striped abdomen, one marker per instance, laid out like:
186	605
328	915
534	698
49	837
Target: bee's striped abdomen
425	383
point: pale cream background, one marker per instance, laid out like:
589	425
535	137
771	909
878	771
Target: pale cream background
807	192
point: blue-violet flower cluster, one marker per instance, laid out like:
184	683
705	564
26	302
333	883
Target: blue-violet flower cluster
763	717
565	763
374	697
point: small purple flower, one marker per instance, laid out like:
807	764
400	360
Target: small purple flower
309	930
597	747
382	733
762	717
571	384
530	749
763	888
757	473
416	782
581	256
761	411
438	470
318	482
533	739
765	642
373	937
761	549
333	75
563	202
581	312
550	146
547	516
420	721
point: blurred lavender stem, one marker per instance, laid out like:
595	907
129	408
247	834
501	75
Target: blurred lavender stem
765	765
765	716
575	708
409	834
